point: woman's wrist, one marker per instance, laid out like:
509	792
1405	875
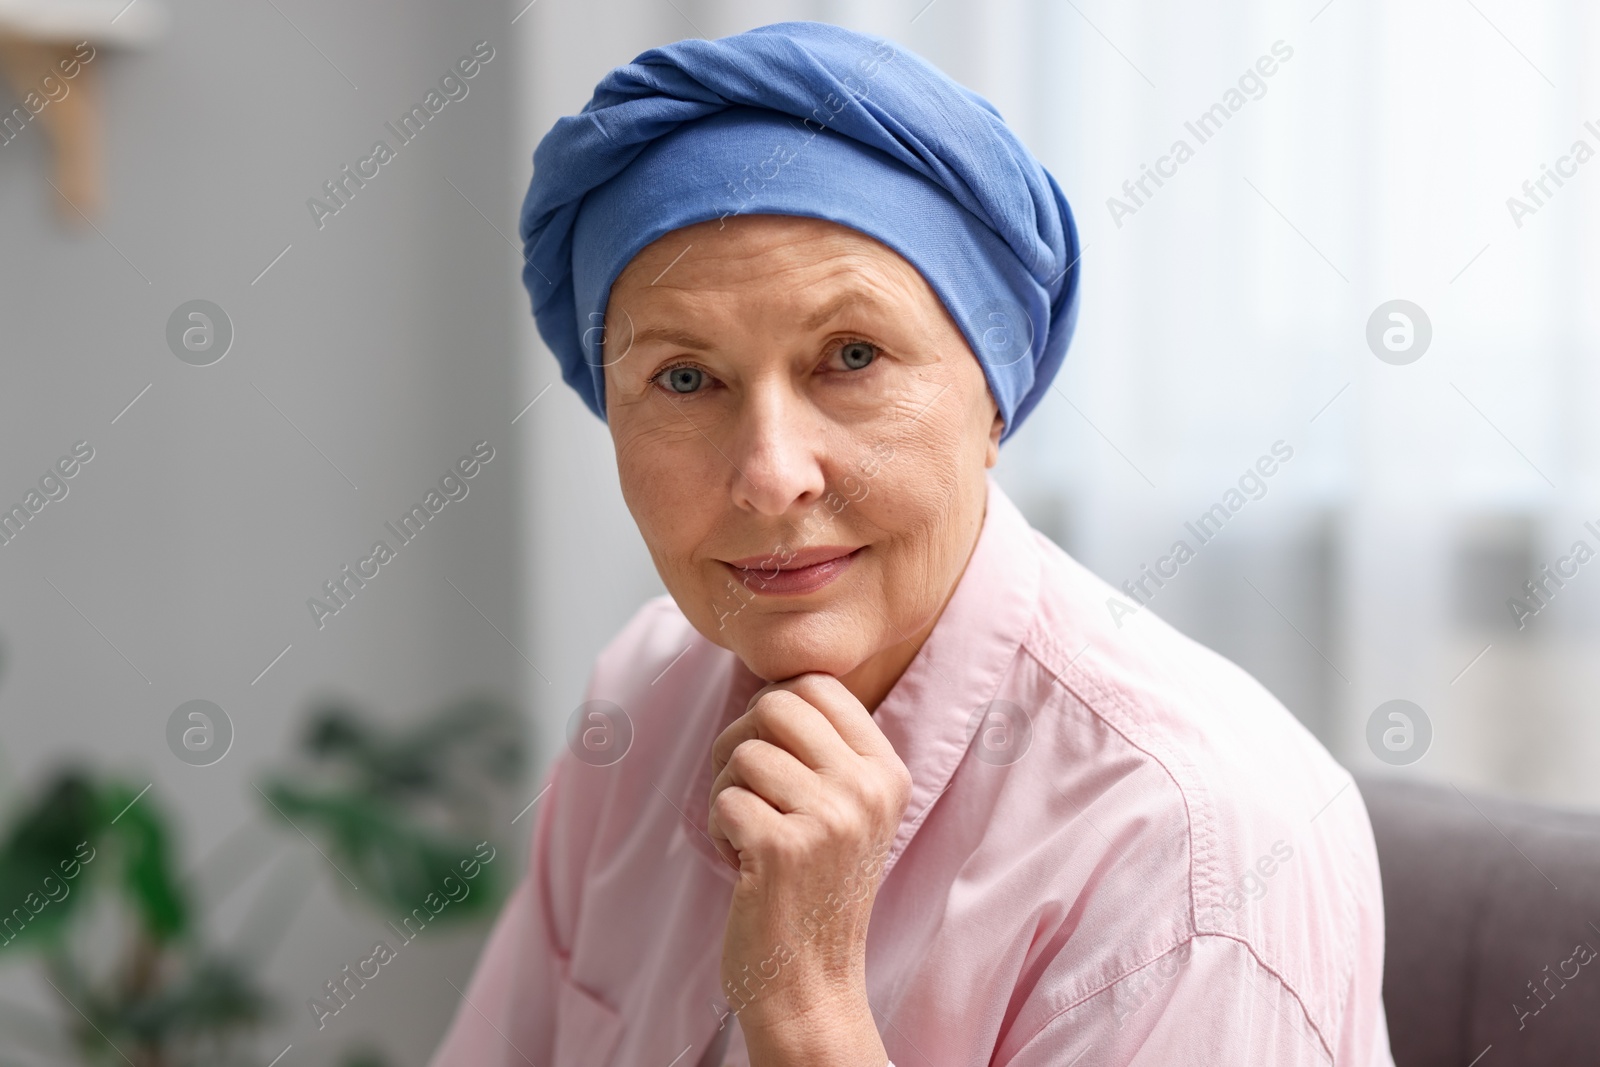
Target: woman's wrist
836	1032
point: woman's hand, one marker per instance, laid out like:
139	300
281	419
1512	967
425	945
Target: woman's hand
807	798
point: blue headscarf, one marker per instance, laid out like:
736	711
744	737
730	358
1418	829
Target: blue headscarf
804	118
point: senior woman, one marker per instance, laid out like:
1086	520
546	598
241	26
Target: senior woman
881	780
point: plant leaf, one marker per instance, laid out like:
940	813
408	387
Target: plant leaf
40	889
394	858
140	830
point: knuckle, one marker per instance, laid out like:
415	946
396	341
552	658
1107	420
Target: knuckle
745	757
871	795
886	794
769	707
902	783
724	806
843	822
739	757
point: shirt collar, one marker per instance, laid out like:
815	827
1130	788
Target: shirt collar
933	710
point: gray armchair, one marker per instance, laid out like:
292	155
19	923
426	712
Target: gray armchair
1493	914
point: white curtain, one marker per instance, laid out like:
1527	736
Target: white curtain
1226	310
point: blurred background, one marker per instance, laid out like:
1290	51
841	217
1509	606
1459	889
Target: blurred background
348	356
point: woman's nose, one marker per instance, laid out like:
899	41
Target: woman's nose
776	453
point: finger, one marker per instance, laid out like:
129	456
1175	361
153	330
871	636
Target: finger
773	774
789	722
848	716
741	821
719	841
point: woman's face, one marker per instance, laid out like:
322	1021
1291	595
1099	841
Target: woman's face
802	434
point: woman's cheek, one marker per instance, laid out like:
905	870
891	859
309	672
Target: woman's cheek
667	490
922	517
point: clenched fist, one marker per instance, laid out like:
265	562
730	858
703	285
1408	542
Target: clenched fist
807	798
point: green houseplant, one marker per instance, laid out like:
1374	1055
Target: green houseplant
92	893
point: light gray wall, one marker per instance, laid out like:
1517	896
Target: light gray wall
375	352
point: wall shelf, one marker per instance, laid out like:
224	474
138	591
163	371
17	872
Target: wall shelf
50	56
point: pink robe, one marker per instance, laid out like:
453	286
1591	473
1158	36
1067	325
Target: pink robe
1140	858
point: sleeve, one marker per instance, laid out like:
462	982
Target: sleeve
1208	1001
506	1016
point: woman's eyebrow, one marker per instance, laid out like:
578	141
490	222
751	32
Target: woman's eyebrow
672	336
842	302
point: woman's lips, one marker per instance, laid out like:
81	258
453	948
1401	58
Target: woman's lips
809	570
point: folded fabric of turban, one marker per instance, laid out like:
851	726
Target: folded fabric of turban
810	119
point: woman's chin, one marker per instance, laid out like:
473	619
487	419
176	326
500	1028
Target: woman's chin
780	647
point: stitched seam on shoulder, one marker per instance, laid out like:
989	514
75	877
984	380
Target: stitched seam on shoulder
1135	969
1305	1010
1322	1039
1037	633
1038	640
1027	645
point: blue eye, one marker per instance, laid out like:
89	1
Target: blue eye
858	354
683	379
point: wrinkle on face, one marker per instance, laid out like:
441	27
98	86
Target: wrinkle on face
784	446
